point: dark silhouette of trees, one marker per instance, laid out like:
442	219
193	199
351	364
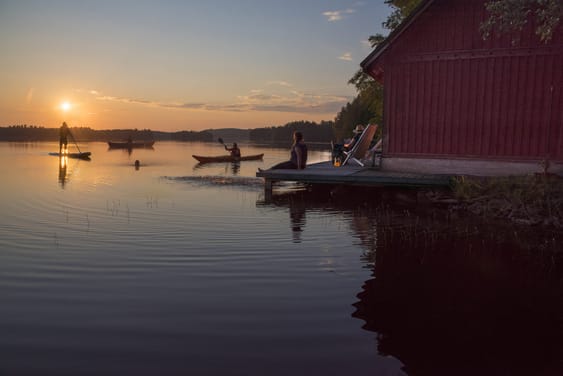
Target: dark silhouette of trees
192	136
367	107
312	131
507	16
31	133
26	132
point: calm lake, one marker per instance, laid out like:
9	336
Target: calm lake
178	268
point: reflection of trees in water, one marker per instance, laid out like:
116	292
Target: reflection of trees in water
451	296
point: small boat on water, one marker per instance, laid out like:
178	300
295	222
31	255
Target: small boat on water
131	144
82	155
227	158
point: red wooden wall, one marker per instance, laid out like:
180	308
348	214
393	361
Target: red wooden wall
450	93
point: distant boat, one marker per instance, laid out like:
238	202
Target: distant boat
82	155
227	158
131	144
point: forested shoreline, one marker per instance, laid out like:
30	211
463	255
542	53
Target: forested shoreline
314	132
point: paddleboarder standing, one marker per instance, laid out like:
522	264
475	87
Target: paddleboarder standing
63	137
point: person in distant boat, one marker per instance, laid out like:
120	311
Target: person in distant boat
298	154
234	150
63	137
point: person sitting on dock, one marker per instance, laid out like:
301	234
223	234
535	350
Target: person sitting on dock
235	151
337	149
357	133
298	155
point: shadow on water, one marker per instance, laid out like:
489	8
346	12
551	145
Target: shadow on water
450	296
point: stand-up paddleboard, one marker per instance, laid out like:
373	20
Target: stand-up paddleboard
83	155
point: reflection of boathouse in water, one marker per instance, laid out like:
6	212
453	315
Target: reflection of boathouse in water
447	296
445	304
455	103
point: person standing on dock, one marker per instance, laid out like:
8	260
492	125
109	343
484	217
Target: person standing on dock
298	156
63	137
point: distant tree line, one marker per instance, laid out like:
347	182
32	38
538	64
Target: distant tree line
28	133
36	133
203	136
312	131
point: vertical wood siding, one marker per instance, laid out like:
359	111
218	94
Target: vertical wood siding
451	93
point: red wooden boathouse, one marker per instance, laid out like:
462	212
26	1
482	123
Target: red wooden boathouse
456	103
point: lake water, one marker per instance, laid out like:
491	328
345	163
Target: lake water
179	268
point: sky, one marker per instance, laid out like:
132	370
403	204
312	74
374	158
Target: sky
174	65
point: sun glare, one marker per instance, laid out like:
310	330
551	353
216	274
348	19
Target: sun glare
65	106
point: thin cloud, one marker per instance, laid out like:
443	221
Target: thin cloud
187	106
29	95
256	100
293	101
280	83
125	100
347	56
337	15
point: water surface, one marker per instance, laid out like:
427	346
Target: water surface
180	268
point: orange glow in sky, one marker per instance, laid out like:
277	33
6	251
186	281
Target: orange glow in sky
177	65
65	106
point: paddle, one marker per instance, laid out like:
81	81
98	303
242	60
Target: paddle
75	143
221	142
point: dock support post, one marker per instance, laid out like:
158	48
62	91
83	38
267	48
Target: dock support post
268	188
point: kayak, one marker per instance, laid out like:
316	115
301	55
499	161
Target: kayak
83	155
131	145
228	158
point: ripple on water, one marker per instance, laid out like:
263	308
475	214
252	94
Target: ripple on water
239	182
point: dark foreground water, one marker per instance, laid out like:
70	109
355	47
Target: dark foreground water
178	268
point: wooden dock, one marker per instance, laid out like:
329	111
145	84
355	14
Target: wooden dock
326	173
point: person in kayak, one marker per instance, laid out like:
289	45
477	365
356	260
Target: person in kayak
234	150
63	137
298	154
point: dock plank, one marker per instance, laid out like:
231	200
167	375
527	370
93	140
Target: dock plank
325	173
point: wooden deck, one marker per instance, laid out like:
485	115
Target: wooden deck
326	173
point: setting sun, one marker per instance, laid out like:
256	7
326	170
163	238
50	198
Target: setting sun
65	106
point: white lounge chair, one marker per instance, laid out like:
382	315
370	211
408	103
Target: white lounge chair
361	146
